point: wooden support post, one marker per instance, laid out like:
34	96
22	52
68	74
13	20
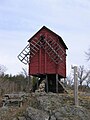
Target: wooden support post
75	86
29	84
56	83
37	83
46	83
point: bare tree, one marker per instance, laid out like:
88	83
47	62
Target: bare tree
83	74
70	80
2	70
88	81
24	72
88	54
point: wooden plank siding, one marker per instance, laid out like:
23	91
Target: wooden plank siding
41	63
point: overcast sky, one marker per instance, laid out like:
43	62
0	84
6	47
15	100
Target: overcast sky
20	19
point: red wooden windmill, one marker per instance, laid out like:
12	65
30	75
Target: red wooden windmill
46	56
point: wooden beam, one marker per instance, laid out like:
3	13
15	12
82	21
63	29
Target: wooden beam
46	83
75	86
56	83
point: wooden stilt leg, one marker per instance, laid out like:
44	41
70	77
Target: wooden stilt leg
37	83
46	84
56	83
29	85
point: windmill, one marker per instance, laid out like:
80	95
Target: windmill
46	56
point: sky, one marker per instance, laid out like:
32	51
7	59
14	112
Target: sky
21	19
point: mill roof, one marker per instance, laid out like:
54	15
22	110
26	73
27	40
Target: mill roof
44	27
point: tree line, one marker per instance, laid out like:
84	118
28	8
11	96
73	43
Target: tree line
13	83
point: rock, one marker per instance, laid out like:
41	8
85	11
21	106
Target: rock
35	114
53	106
41	87
80	112
58	114
72	112
52	117
15	119
22	118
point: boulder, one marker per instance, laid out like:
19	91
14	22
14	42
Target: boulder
35	114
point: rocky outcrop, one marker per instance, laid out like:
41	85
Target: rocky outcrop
53	106
35	114
64	113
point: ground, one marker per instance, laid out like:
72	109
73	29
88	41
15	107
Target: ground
51	106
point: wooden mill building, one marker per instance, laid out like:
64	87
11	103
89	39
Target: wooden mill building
46	57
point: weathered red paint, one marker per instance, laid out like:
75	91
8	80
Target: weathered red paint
41	63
